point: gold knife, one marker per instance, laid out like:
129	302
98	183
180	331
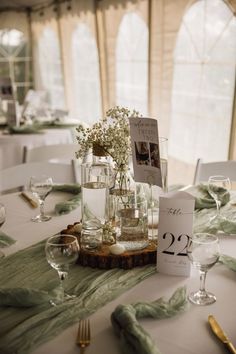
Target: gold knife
218	331
31	201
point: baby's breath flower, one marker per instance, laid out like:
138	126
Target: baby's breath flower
111	134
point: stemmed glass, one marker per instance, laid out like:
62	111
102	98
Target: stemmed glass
2	220
218	186
62	251
203	252
41	186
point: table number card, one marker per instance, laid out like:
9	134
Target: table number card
175	228
145	150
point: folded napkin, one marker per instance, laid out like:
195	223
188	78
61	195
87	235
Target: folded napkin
228	261
71	204
24	297
73	188
206	200
134	339
25	129
5	240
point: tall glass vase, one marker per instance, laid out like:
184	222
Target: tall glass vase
123	190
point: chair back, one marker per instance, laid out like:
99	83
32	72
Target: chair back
19	175
204	170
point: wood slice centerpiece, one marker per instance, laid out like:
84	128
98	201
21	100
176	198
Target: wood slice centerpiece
104	259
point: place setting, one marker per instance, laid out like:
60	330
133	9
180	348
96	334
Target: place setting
124	233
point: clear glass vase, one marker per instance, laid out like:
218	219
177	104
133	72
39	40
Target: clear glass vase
122	191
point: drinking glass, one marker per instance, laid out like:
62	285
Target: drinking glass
163	145
2	220
218	186
62	251
41	186
203	252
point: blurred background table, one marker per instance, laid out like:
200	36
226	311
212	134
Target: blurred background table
11	145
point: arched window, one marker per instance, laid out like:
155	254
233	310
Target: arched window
50	71
15	61
203	83
132	64
86	75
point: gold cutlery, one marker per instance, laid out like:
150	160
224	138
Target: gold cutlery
218	331
83	336
31	201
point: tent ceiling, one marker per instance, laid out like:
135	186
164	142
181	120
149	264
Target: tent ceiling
20	4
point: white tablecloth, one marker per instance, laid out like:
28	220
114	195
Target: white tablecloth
11	145
187	333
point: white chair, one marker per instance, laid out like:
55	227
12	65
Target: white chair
53	153
204	170
19	175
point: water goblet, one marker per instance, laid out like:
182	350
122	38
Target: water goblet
218	186
203	252
2	220
41	186
61	252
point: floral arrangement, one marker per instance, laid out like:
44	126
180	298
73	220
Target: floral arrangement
111	134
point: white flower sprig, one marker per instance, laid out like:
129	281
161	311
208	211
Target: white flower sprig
111	134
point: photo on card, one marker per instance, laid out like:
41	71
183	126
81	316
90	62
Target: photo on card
142	152
154	154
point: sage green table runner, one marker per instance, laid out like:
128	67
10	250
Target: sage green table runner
22	329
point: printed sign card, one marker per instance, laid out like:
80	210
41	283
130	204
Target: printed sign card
6	90
175	228
145	150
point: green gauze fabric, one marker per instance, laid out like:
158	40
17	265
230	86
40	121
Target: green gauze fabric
228	261
205	200
5	240
24	297
134	339
71	204
23	329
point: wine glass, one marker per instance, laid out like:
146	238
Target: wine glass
218	186
62	251
2	220
41	186
203	252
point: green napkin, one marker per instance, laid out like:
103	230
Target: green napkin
5	240
134	339
67	206
228	261
25	129
68	188
205	200
24	297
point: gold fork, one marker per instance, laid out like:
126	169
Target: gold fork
83	337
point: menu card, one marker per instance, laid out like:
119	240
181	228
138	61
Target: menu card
145	150
175	228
